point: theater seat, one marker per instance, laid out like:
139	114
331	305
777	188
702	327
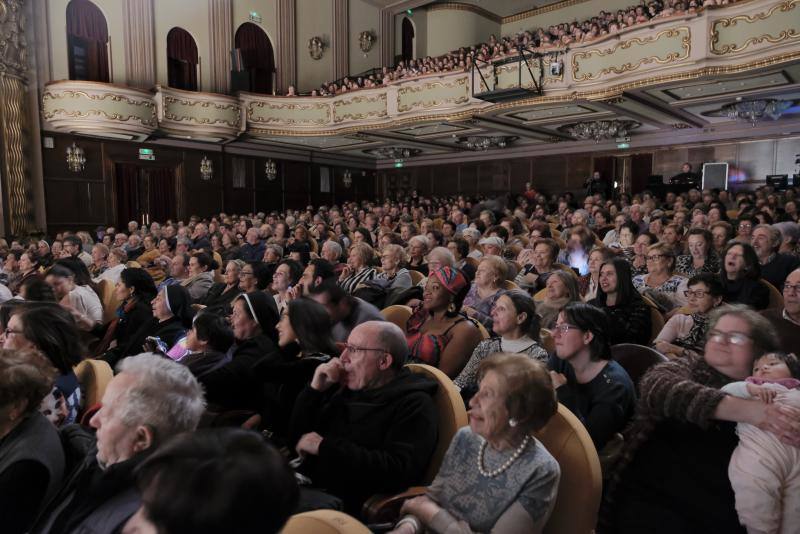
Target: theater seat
416	276
93	376
775	296
636	359
548	342
579	490
108	299
324	522
508	285
397	314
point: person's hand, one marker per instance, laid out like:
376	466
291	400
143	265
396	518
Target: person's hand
327	375
668	348
783	421
346	272
309	444
763	394
422	507
294	292
558	379
405	528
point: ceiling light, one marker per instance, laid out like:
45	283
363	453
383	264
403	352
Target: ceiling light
599	130
485	142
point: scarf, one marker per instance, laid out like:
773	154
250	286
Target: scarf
122	312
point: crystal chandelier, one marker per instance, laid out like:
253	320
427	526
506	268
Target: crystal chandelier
754	110
599	130
394	152
206	169
271	170
347	178
485	142
76	159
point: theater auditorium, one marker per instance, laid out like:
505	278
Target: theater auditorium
399	266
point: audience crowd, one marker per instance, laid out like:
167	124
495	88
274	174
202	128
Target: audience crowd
287	323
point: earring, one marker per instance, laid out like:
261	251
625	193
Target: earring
512	422
451	308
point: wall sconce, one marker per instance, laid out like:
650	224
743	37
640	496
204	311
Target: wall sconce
366	40
316	47
271	170
206	169
347	179
76	159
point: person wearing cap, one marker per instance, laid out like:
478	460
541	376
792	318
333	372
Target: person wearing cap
365	424
233	385
437	333
491	246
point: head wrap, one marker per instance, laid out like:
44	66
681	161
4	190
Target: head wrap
264	311
451	278
179	303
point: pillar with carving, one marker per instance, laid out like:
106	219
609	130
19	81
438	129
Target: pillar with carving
139	34
286	64
386	38
17	195
220	33
340	39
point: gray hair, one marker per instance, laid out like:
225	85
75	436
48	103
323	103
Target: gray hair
789	231
421	239
445	255
184	241
391	338
398	251
166	396
274	247
334	246
764	335
775	237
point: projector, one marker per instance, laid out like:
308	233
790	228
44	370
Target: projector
556	68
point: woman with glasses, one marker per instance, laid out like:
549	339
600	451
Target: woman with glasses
637	254
673	472
744	229
628	313
660	284
588	382
701	258
221	294
254	276
685	334
740	276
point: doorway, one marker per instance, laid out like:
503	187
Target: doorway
144	194
408	40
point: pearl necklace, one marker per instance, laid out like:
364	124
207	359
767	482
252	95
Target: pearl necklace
506	464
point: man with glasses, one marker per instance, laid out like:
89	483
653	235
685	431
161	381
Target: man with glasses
73	247
786	320
365	424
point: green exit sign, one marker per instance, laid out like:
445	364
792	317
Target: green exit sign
398	164
147	154
255	17
623	145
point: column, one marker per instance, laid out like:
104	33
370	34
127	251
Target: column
386	38
139	34
15	180
220	33
286	60
340	39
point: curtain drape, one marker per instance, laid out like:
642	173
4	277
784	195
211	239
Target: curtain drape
127	183
257	56
87	36
162	194
182	59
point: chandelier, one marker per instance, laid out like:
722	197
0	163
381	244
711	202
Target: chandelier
599	130
347	178
76	159
206	169
271	170
394	152
754	110
485	142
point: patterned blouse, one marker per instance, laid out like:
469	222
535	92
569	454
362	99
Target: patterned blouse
685	266
668	295
482	307
350	283
469	375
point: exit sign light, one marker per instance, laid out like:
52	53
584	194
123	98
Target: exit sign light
147	154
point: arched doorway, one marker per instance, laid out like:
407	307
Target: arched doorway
408	39
182	59
87	42
258	61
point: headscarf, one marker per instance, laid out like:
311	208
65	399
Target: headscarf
264	311
179	303
452	279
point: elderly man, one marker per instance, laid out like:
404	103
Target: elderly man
73	247
365	424
200	238
332	252
787	320
151	399
775	266
253	249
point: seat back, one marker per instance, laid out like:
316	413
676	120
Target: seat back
548	342
416	276
775	296
93	376
482	329
397	314
508	285
324	522
636	359
578	499
451	412
108	299
656	323
540	295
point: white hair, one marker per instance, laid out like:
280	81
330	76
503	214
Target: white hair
445	256
166	396
334	246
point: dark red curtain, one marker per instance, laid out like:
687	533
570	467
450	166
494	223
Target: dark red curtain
162	194
127	182
87	35
182	60
408	39
257	57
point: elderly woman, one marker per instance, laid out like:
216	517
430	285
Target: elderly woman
673	474
537	264
701	258
201	275
395	276
637	255
52	331
28	268
561	289
684	334
149	259
744	229
417	250
495	477
32	456
485	290
629	315
80	300
516	328
135	290
660	284
172	317
358	268
115	265
721	233
437	333
588	382
740	275
221	294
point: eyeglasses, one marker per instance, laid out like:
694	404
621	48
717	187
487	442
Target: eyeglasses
563	328
789	288
352	348
736	339
10	332
655	257
698	293
245	273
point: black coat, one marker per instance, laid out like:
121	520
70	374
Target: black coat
374	441
169	331
127	327
745	291
218	300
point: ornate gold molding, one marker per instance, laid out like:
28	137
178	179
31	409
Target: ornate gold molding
294	107
427	104
730	22
203	104
358	100
13	44
671	57
69	93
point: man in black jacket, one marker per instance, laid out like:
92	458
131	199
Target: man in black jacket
365	424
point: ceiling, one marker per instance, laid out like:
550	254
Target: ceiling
501	8
664	114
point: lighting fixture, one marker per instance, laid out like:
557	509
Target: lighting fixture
347	178
206	169
599	130
270	170
486	142
753	111
76	159
394	152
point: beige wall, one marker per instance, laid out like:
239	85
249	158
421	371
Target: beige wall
363	17
450	29
57	27
314	18
420	21
571	13
195	21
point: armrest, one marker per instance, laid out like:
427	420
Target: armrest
386	508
